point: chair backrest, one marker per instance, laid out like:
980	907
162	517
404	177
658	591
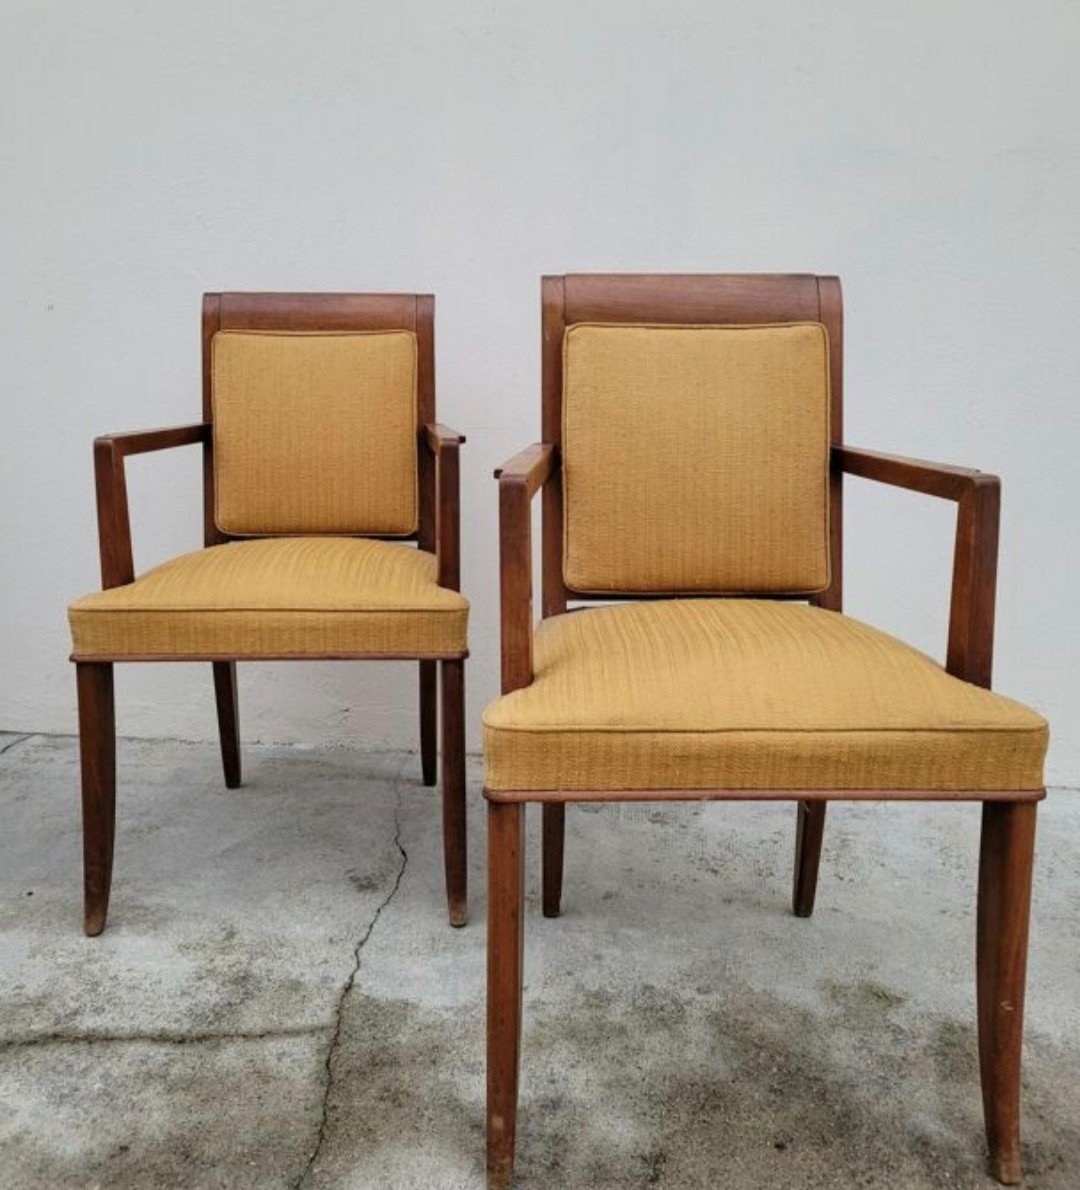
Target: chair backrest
317	402
694	417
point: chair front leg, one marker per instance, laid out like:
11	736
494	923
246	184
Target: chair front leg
1005	866
455	829
809	833
553	843
97	757
228	715
506	941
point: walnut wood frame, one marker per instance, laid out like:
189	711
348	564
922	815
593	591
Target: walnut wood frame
1008	822
438	532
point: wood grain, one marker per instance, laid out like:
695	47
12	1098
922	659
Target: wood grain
970	653
110	483
505	980
97	757
519	480
455	827
429	722
228	715
1006	856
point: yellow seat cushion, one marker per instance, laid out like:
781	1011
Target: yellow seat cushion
278	597
748	694
696	458
315	432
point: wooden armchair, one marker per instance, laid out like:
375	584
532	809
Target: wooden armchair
322	458
692	462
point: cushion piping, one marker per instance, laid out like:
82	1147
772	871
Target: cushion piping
697	326
255	534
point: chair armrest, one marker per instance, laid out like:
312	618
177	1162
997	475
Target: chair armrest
974	579
443	444
917	475
532	466
520	478
139	442
437	437
114	523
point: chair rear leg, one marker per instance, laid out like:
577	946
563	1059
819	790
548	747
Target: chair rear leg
809	832
1006	854
554	836
429	711
505	959
228	717
455	849
97	757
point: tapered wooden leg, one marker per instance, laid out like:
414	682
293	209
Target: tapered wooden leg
1005	861
97	756
429	712
228	717
554	835
506	939
455	851
809	832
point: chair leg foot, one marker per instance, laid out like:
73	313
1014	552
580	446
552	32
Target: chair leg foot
553	841
809	832
94	921
1006	855
505	970
228	715
455	831
429	711
1007	1169
97	757
500	1177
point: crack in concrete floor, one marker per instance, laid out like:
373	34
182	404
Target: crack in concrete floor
19	739
206	1038
339	1008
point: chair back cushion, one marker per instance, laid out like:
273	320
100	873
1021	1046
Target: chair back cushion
315	432
696	458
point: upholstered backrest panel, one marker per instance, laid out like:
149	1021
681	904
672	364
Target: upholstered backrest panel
315	432
696	458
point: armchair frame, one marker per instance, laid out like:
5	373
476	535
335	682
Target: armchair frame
438	532
1008	816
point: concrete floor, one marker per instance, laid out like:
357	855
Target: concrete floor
277	1002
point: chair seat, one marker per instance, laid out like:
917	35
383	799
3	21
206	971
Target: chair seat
278	597
725	694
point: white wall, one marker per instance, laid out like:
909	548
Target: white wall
927	152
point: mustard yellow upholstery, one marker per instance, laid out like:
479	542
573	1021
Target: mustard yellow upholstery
315	432
695	458
288	596
748	694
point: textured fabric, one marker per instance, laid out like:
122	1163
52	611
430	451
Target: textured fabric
315	433
748	694
290	596
695	458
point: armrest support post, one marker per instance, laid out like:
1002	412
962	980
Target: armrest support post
974	586
114	522
974	579
448	518
519	480
443	443
110	482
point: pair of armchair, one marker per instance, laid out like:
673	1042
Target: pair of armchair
692	470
